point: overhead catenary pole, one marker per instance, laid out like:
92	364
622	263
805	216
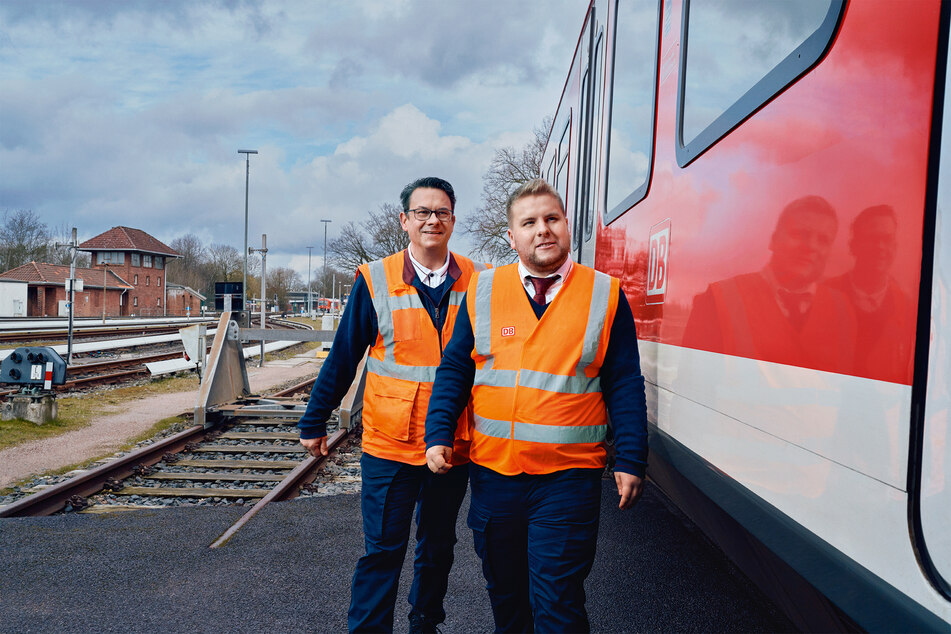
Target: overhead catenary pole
247	176
310	307
71	245
323	281
263	252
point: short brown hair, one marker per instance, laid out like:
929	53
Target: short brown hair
534	187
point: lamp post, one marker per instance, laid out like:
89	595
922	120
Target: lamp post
247	175
323	281
310	308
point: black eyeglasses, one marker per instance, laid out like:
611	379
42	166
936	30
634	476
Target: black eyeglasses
422	213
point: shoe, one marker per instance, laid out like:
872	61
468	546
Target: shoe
419	624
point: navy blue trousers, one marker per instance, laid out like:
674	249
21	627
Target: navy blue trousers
536	536
390	492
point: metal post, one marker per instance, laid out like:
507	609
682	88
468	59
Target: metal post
263	252
105	267
323	280
247	176
310	308
72	296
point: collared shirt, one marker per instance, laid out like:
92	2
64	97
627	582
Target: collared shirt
431	278
801	297
562	271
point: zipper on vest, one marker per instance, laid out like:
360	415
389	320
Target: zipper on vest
439	331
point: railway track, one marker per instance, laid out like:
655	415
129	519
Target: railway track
60	334
85	375
238	461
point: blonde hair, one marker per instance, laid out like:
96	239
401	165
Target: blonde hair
534	187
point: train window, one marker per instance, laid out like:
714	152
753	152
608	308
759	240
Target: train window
561	180
630	137
595	137
739	54
579	173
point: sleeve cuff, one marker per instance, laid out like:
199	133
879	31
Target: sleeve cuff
634	468
317	431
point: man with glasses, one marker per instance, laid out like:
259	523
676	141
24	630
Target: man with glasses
403	308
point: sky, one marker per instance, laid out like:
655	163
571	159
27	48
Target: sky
129	112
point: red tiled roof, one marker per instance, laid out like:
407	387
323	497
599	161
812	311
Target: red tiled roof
128	239
42	274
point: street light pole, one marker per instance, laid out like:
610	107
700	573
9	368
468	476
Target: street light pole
323	281
72	244
247	176
310	308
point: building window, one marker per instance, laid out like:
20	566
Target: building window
147	281
147	261
110	257
764	45
135	301
136	260
135	279
158	281
159	261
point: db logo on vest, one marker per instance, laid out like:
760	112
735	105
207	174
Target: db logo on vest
508	331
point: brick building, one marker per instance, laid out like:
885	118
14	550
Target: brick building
47	296
183	301
140	260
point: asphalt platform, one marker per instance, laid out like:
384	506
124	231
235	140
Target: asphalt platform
289	570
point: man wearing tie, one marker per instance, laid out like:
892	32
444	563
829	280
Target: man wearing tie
547	347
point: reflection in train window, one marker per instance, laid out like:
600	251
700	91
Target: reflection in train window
631	119
737	54
579	212
595	137
561	183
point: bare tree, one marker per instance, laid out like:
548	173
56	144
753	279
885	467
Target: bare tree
61	235
191	269
280	282
378	236
510	167
23	238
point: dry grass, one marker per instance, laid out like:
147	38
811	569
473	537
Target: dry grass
76	412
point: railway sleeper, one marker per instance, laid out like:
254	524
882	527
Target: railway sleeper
193	492
249	449
239	464
215	476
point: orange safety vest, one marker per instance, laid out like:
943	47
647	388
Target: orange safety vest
536	396
401	365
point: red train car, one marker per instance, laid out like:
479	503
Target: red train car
770	182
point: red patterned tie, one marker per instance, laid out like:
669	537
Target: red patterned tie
542	284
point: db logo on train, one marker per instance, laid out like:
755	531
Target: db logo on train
657	263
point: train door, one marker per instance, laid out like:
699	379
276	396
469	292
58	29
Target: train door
934	443
589	124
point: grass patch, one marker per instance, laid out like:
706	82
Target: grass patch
76	412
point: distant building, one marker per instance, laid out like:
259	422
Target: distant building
139	259
13	297
46	294
183	301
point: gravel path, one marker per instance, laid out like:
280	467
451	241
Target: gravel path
124	422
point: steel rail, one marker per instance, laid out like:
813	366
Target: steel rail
286	488
54	498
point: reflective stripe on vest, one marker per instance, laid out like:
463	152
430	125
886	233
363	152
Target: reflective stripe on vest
577	384
540	433
384	304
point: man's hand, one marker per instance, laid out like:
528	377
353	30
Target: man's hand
437	458
315	446
629	487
